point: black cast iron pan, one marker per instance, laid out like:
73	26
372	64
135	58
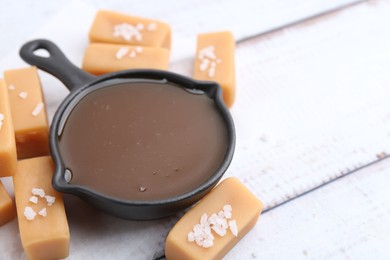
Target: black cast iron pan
79	82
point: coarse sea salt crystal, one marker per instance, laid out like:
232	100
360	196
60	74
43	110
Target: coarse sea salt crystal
217	222
152	26
211	72
207	232
1	120
121	52
213	219
127	31
133	54
29	213
140	26
37	109
50	200
207	52
220	230
43	212
191	237
208	243
138	49
233	227
204	64
23	95
33	199
203	219
11	87
227	208
39	192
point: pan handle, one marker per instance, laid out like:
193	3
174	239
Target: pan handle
56	64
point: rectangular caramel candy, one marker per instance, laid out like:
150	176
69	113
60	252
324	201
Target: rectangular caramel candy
102	58
28	112
112	27
7	209
43	225
214	61
7	136
211	228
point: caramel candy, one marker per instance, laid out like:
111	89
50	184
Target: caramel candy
28	113
7	209
211	228
7	137
43	226
215	61
102	58
111	27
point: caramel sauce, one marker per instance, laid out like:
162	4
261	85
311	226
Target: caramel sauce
143	141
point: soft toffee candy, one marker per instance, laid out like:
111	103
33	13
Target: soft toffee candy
41	214
103	58
214	61
211	228
7	209
111	27
28	112
7	137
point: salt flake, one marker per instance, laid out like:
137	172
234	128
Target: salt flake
207	52
212	72
50	200
37	109
191	237
204	64
152	26
33	199
133	54
11	87
217	222
29	213
138	49
1	120
208	243
140	26
203	219
233	227
39	192
227	208
138	37
23	95
43	212
220	230
127	32
121	52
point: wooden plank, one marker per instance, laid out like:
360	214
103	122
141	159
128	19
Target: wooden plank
186	17
348	219
311	102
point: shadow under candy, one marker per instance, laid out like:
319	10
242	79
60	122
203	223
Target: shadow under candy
98	235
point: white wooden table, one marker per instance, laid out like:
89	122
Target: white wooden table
312	117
